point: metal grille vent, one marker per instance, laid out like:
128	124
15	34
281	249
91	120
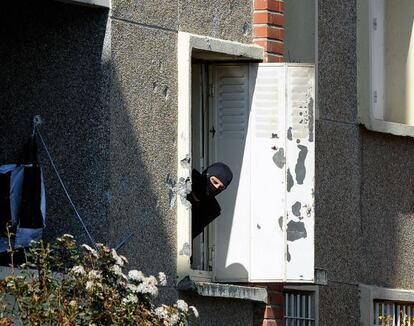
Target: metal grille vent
393	314
299	309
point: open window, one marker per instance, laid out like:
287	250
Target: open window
220	107
386	65
259	120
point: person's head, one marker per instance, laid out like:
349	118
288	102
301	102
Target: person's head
218	177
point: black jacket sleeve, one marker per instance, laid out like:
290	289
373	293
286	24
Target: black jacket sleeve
203	213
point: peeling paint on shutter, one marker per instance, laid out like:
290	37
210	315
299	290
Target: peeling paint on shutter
268	160
265	114
300	162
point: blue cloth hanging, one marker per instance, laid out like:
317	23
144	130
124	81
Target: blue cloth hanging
22	200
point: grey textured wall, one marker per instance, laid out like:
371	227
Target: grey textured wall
364	184
338	238
144	130
387	208
51	64
106	87
143	143
229	20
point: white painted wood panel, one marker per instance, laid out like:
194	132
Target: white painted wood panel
265	133
231	98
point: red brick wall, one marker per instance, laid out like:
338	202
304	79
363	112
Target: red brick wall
268	30
270	314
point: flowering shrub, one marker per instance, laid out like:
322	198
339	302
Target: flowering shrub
64	284
388	320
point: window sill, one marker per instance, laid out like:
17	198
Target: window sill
209	289
92	3
393	128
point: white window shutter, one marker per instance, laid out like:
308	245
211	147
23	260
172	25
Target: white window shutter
268	157
265	232
300	149
232	228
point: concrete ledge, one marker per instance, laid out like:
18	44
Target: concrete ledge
207	289
91	3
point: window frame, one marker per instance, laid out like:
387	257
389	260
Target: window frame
369	294
313	289
188	42
370	70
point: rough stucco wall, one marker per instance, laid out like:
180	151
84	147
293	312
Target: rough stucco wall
338	240
337	227
364	184
388	209
143	143
158	13
221	311
339	305
229	20
51	64
107	90
337	87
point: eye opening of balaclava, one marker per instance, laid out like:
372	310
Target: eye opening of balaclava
220	171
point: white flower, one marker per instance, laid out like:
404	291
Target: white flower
133	288
66	235
136	275
162	278
117	271
182	306
151	280
78	270
73	303
95	275
148	287
118	260
195	311
174	319
161	312
89	285
130	299
124	259
90	250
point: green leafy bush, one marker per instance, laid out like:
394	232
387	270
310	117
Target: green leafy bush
66	284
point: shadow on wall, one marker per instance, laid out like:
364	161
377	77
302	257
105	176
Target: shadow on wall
388	209
55	62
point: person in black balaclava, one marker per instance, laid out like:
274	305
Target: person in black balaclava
205	187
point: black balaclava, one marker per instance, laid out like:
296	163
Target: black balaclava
222	172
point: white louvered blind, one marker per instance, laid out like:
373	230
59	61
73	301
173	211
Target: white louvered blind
231	98
232	101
